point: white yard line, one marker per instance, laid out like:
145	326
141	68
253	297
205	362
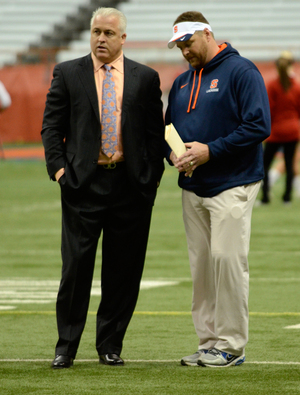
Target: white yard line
27	291
150	361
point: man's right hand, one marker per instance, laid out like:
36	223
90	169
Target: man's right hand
173	157
59	173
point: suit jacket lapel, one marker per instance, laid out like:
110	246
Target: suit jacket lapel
86	75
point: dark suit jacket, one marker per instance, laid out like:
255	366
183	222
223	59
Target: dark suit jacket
71	129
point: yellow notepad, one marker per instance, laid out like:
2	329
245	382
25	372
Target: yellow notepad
174	140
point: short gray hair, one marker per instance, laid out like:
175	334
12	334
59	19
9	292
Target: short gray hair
107	11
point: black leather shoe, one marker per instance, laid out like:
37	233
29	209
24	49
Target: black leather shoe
111	359
61	362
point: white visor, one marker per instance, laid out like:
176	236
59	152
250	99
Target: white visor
185	30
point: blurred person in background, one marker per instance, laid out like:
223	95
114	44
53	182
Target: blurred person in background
5	99
108	169
220	109
284	99
278	170
5	102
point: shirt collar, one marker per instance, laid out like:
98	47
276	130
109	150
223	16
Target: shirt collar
117	64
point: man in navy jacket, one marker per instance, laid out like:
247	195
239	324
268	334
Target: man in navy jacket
220	109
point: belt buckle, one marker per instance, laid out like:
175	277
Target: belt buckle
110	166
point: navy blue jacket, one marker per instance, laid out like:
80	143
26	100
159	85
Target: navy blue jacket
231	114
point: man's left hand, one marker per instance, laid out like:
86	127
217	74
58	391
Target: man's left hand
197	154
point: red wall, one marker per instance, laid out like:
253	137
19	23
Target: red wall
28	87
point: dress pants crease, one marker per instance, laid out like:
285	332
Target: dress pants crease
124	266
107	206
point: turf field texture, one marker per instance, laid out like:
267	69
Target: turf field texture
161	331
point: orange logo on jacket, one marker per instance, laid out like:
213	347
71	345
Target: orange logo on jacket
214	84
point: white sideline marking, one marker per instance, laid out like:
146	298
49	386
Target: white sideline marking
14	292
275	280
54	252
268	252
292	327
31	232
47	206
151	361
7	307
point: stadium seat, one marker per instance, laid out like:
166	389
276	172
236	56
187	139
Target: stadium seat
22	22
260	30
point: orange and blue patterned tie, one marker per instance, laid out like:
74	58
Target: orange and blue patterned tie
109	114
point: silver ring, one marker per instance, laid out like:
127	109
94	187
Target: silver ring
191	163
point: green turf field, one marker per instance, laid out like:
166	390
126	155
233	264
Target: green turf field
161	331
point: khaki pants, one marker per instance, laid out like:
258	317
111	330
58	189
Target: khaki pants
218	235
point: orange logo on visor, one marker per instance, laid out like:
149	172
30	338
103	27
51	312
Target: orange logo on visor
175	29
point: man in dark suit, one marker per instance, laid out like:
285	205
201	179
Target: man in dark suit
109	192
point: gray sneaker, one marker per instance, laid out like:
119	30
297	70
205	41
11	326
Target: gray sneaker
217	358
191	360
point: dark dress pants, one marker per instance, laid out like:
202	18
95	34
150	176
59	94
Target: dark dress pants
112	206
270	150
